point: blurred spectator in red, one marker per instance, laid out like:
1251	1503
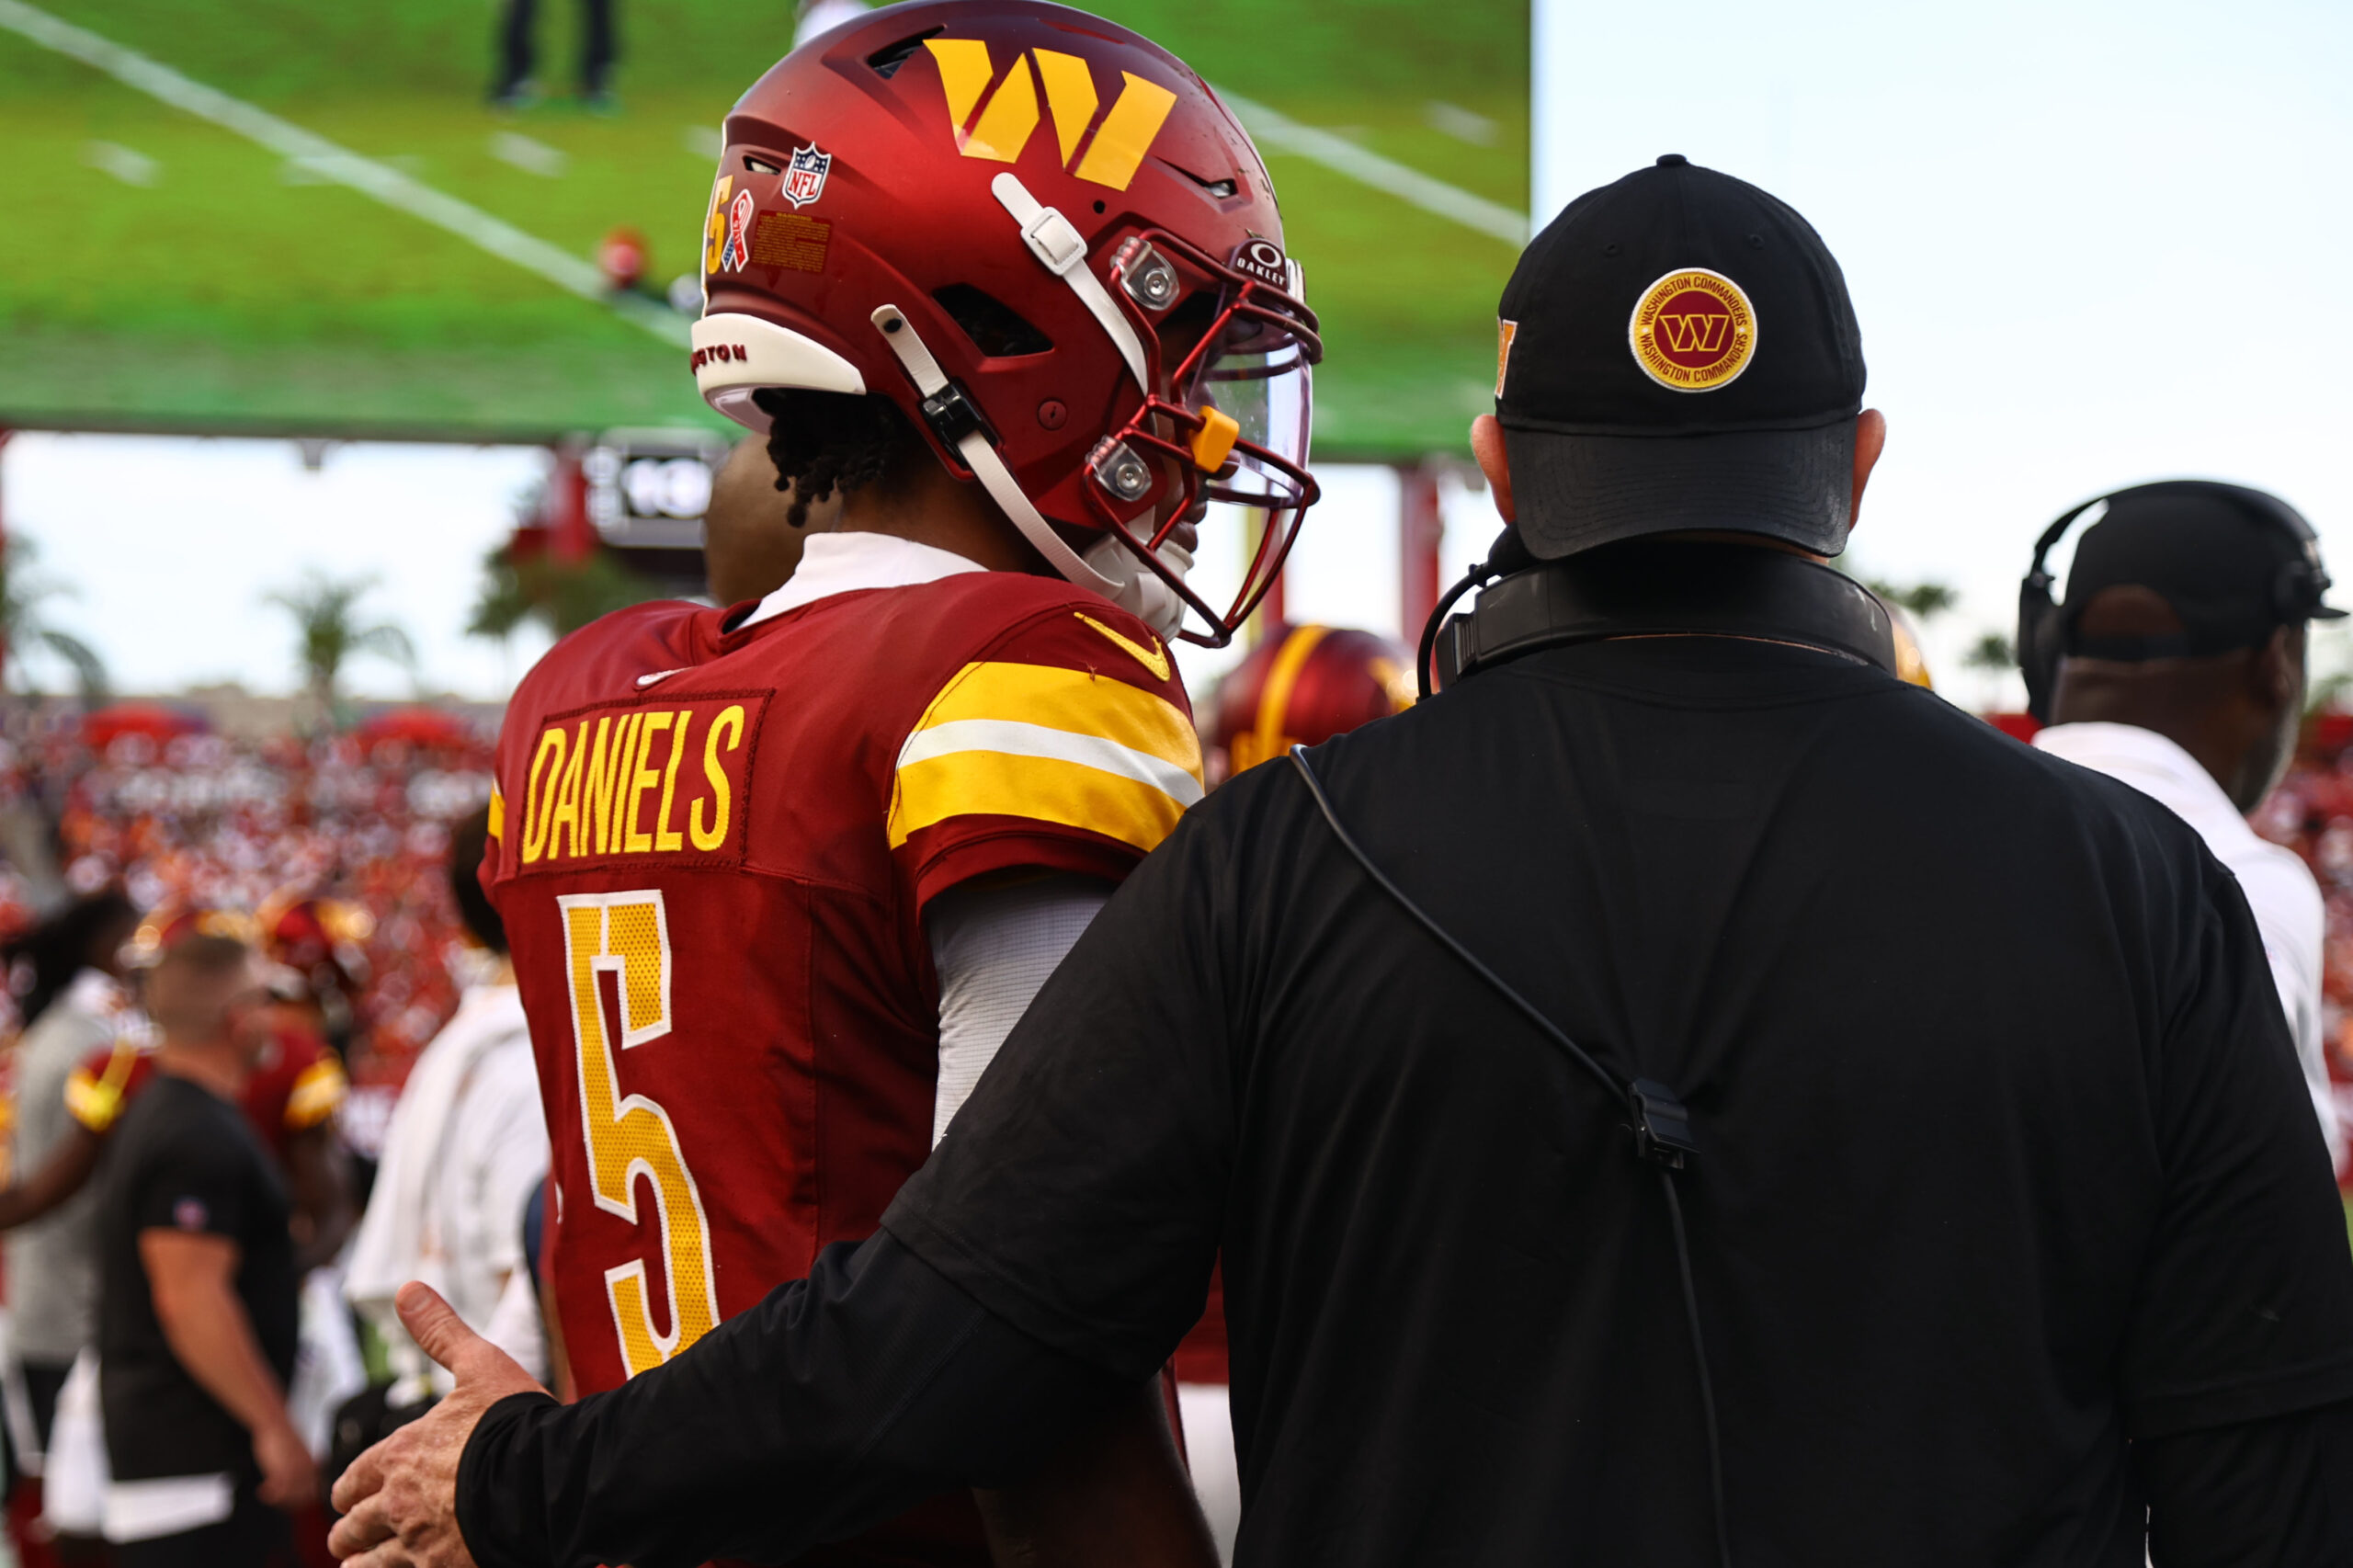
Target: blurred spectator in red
622	258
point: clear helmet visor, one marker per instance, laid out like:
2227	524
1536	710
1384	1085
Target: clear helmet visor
1260	377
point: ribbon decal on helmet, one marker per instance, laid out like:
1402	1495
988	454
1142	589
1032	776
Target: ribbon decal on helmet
737	250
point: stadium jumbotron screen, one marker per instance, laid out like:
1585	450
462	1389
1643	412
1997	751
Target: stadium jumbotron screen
295	219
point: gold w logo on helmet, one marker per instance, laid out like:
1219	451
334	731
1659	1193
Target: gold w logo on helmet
1004	126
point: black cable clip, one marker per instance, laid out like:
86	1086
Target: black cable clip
1662	1127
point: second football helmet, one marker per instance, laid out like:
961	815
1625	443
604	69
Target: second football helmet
1301	685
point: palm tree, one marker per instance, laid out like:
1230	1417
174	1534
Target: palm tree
562	596
1924	600
23	626
328	631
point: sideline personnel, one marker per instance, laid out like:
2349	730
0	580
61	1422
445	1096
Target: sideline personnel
1989	1284
196	1287
2177	664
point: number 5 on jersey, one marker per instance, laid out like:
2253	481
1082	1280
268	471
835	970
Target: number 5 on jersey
627	934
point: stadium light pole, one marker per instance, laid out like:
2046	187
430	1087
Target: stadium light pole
1421	532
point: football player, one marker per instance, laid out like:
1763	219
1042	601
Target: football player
1005	284
291	1098
1300	686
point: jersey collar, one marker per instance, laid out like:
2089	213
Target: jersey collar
844	563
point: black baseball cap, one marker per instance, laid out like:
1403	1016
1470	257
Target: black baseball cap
1677	352
2234	564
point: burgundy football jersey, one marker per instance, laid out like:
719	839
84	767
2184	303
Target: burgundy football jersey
713	851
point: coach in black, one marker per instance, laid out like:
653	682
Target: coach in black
1681	1097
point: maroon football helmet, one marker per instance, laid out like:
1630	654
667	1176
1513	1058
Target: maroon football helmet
1300	686
1045	240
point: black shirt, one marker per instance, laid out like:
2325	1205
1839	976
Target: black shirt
2004	1154
2007	1186
184	1159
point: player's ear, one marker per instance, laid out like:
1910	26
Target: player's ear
1487	445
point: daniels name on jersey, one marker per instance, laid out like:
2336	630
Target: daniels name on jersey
712	853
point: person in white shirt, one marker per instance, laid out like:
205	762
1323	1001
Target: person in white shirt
466	1145
2177	664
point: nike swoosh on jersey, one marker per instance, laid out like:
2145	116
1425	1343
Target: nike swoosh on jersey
1156	659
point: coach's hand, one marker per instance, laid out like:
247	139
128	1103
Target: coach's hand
399	1499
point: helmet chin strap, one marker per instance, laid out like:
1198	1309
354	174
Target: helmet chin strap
1057	244
1131	584
1143	593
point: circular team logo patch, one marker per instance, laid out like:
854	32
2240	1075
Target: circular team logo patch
1693	331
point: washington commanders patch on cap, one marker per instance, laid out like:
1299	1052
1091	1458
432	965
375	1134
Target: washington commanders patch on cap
1692	331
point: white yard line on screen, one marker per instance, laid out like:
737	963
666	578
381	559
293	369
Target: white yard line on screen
1341	155
323	157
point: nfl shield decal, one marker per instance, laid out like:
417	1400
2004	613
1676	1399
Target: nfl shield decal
804	180
737	250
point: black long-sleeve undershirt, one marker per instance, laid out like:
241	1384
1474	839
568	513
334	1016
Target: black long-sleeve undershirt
838	1402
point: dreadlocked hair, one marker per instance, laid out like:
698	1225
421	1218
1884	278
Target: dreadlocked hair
823	442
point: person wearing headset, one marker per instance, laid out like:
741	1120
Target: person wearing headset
1681	1096
2177	664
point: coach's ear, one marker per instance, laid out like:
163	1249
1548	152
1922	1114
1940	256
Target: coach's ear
1487	445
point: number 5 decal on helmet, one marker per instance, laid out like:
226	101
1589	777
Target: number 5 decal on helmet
627	937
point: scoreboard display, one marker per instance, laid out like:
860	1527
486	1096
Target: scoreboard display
313	220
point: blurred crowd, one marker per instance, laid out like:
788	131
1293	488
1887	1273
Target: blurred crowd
136	835
2312	813
199	820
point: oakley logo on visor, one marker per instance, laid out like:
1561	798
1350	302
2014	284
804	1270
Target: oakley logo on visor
1011	115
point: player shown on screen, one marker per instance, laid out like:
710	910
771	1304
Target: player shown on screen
1007	282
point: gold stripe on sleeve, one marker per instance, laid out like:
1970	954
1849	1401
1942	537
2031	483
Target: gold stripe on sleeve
1075	700
1043	788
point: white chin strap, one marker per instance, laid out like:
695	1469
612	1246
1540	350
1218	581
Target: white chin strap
1108	568
1056	241
1143	591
